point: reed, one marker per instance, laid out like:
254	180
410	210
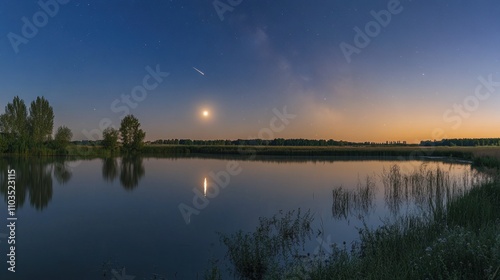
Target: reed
456	234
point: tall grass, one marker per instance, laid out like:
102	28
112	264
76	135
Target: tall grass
456	236
427	189
269	250
357	202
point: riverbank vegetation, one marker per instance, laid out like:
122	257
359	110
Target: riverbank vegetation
455	236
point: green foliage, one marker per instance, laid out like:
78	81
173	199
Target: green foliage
63	137
460	253
466	142
479	207
213	272
461	240
486	162
110	138
131	135
266	253
22	132
4	144
14	123
41	120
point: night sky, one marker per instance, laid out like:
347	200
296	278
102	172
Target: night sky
417	79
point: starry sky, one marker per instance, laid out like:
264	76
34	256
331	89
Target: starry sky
428	72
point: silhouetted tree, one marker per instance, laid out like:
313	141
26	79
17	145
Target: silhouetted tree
14	125
63	137
110	138
131	135
41	120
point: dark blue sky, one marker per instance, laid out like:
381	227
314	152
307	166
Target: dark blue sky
264	55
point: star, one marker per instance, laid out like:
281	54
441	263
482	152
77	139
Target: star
123	275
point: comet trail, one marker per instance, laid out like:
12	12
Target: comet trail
199	71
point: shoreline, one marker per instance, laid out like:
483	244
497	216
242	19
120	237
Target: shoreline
481	156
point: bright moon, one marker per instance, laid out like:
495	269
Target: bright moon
205	113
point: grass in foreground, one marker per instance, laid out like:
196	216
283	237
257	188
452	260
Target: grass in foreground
462	242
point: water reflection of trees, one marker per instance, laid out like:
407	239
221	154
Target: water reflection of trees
34	176
33	179
131	171
109	169
423	188
62	172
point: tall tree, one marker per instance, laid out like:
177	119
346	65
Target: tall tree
63	137
14	123
41	120
131	135
110	138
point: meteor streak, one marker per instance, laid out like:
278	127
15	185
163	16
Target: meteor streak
199	71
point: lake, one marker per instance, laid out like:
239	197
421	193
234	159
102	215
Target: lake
77	219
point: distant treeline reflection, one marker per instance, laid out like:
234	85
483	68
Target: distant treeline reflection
34	176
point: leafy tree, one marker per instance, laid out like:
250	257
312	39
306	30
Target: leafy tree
15	125
63	137
41	120
4	145
131	135
110	138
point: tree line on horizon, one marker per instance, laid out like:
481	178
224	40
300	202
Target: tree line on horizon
259	142
24	131
469	142
463	142
30	131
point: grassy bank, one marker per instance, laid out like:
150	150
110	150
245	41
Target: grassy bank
481	156
461	152
462	243
458	241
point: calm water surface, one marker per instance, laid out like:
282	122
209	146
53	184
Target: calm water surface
76	217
